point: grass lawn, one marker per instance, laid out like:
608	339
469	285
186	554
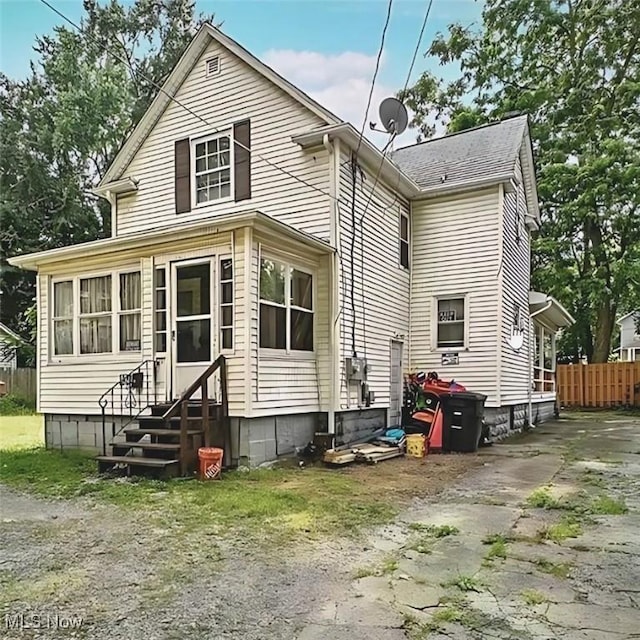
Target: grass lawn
21	431
270	503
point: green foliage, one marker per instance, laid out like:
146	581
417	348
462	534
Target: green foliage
557	569
606	505
12	405
574	68
61	127
568	527
435	531
465	583
541	498
533	597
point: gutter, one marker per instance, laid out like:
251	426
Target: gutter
459	187
530	392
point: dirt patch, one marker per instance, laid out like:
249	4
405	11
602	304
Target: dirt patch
409	478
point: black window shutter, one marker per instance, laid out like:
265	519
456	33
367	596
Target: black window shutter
183	175
242	160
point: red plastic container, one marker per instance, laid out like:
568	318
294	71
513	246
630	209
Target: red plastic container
210	463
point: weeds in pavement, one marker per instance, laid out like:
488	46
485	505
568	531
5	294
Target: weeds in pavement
592	478
416	630
364	572
533	597
541	498
423	544
557	569
450	613
388	566
434	531
566	528
606	505
465	583
498	549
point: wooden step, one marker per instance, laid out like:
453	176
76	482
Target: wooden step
194	407
160	420
161	432
160	446
137	461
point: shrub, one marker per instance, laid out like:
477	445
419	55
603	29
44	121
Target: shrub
13	405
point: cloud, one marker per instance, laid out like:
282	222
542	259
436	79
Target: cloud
340	82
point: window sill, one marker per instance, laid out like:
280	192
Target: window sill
449	349
208	203
282	354
103	358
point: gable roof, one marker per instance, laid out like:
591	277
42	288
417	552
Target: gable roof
7	331
471	156
628	315
178	75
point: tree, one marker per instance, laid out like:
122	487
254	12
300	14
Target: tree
61	127
573	66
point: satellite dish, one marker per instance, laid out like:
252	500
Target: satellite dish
516	340
394	116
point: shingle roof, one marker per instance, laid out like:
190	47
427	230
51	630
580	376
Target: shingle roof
485	151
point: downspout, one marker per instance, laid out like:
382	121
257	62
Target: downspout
334	369
531	343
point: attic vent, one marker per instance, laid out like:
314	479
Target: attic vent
213	66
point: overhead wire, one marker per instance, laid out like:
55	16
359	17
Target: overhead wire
182	105
389	145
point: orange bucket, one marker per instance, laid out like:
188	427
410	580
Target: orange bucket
210	462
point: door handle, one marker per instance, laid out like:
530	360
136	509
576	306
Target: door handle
173	335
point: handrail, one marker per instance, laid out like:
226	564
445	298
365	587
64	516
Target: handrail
133	381
186	395
181	405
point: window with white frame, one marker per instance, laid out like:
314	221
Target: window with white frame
286	307
130	311
226	303
212	161
544	362
404	240
160	306
96	319
63	318
450	321
100	325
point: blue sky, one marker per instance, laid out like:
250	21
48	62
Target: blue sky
327	47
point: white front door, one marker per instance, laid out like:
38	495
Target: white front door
192	321
395	392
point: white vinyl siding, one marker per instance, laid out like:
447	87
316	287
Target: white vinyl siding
449	262
515	274
381	284
73	384
238	94
294	382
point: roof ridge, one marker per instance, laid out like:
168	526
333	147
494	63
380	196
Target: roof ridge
453	134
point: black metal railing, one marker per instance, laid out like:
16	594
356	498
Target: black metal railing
133	393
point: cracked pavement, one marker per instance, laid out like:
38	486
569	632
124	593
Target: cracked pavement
479	561
475	561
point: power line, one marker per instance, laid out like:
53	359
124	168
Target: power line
375	74
180	104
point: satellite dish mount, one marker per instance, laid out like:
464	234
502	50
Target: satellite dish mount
393	117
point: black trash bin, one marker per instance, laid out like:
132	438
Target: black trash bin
462	414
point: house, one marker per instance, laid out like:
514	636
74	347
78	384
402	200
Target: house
629	337
250	222
8	351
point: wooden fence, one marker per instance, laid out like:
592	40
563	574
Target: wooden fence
611	384
21	382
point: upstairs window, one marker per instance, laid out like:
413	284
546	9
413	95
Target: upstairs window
212	169
404	240
286	307
451	316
